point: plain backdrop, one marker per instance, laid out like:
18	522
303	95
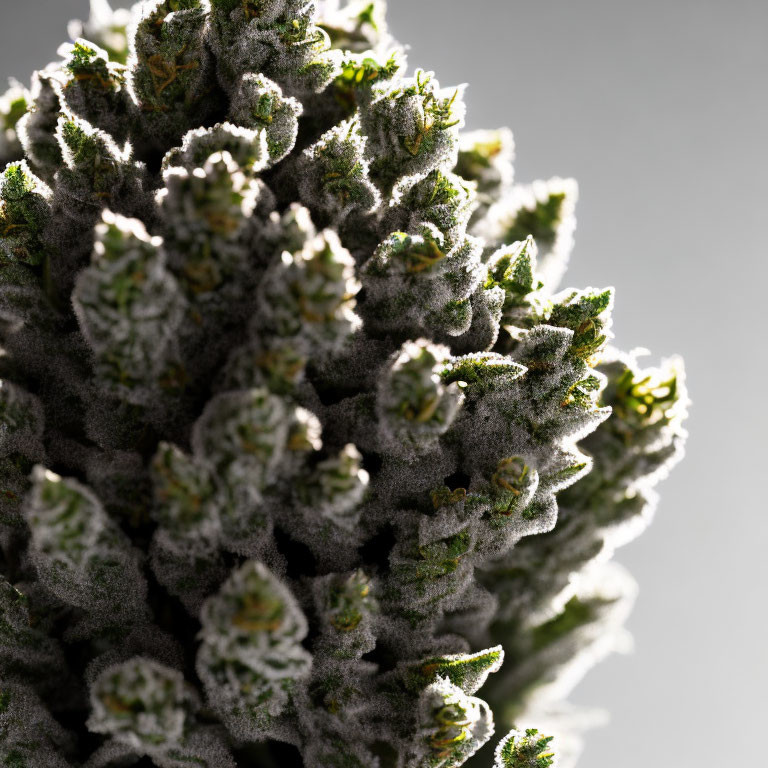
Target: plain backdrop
658	108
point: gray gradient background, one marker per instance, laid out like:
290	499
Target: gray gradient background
658	108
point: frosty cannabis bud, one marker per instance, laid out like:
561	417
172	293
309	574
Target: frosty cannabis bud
305	457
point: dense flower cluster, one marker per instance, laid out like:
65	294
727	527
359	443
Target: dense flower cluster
305	458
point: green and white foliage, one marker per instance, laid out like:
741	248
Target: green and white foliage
106	27
24	214
335	488
81	554
524	749
412	128
13	106
355	25
485	157
92	84
258	103
36	129
170	70
148	709
452	726
207	210
308	295
334	175
278	38
305	456
415	406
129	307
251	655
544	210
141	704
348	609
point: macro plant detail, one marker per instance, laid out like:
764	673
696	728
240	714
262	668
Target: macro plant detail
306	458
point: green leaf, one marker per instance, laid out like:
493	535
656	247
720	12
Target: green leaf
24	213
528	749
482	372
466	671
587	314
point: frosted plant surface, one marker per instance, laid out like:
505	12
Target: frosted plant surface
306	457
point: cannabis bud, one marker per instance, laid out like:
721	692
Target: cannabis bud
305	457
